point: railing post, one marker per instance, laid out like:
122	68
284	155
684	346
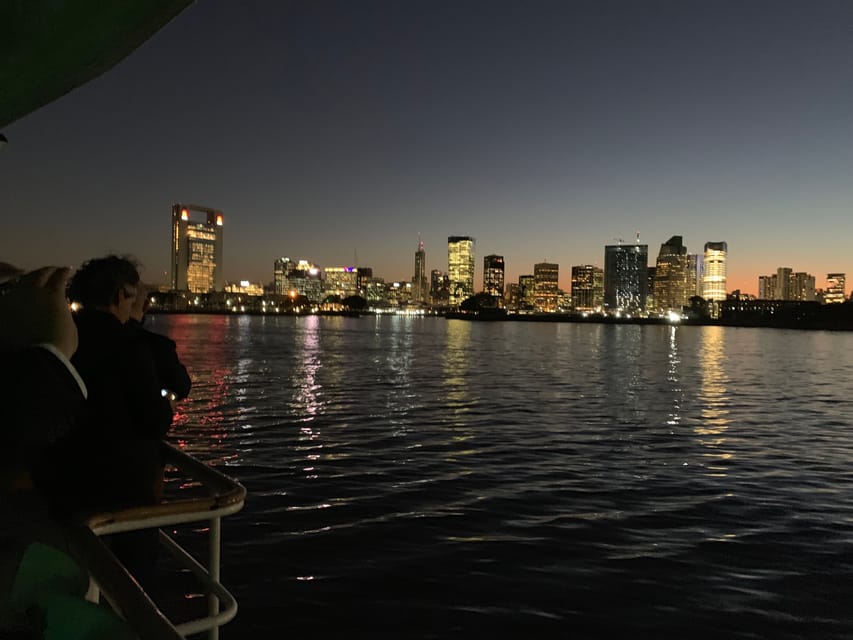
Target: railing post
213	570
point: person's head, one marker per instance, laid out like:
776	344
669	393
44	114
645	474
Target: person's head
107	284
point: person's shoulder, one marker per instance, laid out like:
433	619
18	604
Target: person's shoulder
154	339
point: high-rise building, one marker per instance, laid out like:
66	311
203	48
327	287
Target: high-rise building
546	286
439	289
783	284
196	249
513	296
493	276
460	268
767	287
802	287
714	271
587	287
694	284
835	288
282	268
364	275
298	279
673	282
527	291
420	287
625	283
340	281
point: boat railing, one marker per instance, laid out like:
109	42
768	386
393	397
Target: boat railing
223	496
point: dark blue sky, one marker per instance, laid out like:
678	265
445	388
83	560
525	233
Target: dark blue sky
543	129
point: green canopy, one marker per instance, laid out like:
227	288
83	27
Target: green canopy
49	47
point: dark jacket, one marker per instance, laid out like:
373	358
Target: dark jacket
171	373
125	400
43	405
113	460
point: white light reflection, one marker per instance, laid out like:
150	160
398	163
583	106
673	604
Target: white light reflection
307	403
673	378
457	352
714	399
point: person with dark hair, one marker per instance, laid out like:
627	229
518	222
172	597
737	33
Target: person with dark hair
125	400
127	414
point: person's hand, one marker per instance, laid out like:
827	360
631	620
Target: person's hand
34	311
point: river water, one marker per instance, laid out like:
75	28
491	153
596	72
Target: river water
431	478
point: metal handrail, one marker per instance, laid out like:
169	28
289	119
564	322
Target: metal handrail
123	592
225	496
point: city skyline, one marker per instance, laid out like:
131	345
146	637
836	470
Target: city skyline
340	132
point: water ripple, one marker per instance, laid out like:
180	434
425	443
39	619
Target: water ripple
428	478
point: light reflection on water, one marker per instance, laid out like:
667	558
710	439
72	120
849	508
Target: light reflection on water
442	478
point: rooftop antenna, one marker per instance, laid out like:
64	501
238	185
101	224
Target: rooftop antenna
638	236
618	240
420	242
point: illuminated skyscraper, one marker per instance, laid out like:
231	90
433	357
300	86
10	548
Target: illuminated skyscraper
714	271
527	291
767	287
340	281
196	250
673	282
493	275
587	287
546	286
802	287
420	287
282	269
835	288
625	275
439	289
460	268
783	284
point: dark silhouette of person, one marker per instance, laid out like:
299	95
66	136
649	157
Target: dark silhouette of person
171	372
127	414
43	399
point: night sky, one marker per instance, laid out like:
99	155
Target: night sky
338	131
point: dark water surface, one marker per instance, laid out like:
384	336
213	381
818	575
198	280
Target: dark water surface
425	478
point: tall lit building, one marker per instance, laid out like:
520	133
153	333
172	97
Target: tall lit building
625	275
587	287
420	286
460	268
546	286
783	284
439	288
802	287
673	282
493	275
835	288
340	281
767	287
714	271
282	268
363	276
298	279
196	249
527	291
